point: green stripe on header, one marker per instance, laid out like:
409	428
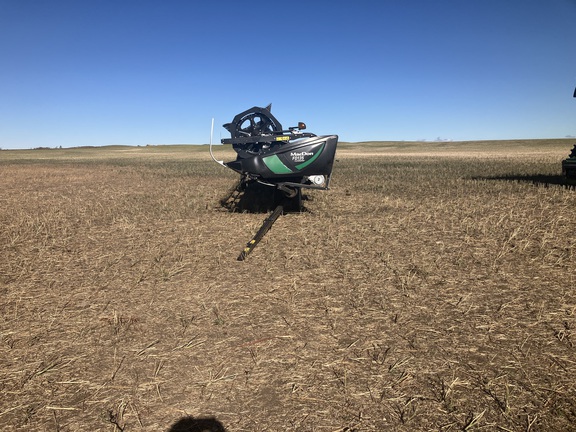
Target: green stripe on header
312	159
275	165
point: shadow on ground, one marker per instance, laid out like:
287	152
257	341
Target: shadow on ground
258	198
536	179
191	424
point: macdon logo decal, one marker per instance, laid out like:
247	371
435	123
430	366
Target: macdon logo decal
299	157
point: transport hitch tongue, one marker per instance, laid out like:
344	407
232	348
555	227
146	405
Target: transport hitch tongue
288	160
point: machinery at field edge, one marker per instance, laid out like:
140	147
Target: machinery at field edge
288	160
569	164
569	167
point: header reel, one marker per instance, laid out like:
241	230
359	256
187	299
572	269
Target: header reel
254	122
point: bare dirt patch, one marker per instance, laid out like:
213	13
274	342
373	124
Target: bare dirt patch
427	293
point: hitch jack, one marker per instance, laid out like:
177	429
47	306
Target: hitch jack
268	222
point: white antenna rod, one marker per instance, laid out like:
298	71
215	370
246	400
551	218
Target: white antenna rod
211	130
221	162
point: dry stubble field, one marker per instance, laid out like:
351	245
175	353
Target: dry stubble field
432	288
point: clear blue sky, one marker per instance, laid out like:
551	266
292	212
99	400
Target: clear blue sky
100	72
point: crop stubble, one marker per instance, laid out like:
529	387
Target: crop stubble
422	292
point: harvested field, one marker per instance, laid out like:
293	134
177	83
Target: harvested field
432	288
